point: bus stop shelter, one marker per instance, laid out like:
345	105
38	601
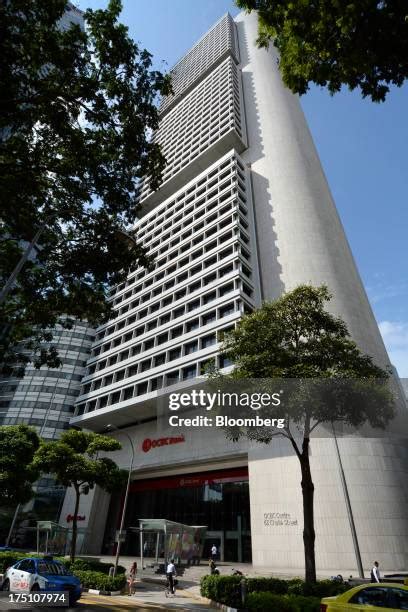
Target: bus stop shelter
163	539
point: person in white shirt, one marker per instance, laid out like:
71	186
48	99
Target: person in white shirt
171	574
214	552
375	573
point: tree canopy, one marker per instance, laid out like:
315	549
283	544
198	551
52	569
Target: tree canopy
74	461
18	444
331	43
328	380
77	110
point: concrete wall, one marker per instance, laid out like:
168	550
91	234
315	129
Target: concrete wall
301	240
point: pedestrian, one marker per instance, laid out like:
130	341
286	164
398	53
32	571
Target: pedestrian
375	573
212	566
145	547
171	574
214	552
132	578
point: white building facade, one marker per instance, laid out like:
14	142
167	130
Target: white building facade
244	214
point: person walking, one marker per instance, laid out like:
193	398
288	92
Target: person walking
375	573
171	574
214	552
132	578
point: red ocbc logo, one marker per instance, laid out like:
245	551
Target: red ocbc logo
148	443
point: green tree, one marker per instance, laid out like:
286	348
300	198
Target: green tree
362	44
331	381
18	444
77	111
74	461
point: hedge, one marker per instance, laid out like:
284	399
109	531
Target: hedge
227	589
224	589
100	581
270	602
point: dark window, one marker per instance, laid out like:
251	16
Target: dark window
399	599
207	341
189	372
176	332
174	354
208	318
160	359
156	383
191	325
103	401
191	347
142	388
145	365
225	361
372	596
193	305
115	397
226	310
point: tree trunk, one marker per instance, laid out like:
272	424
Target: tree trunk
308	513
75	524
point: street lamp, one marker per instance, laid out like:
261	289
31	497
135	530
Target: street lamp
122	520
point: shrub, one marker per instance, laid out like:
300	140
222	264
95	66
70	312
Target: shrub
224	589
305	604
227	590
269	602
100	581
260	585
322	588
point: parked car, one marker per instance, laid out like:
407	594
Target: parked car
386	596
41	574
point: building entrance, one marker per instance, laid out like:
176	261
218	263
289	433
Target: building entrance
218	499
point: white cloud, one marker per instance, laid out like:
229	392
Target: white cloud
395	336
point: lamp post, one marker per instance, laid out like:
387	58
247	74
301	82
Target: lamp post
122	519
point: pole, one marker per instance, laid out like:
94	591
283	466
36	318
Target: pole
349	509
13	276
122	520
141	547
13	522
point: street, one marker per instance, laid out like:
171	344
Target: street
150	598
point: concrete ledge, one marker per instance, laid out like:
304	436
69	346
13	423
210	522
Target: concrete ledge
97	592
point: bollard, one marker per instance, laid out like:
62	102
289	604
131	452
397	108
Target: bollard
243	591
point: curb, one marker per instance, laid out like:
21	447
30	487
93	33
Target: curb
105	593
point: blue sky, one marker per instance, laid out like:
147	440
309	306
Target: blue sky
362	146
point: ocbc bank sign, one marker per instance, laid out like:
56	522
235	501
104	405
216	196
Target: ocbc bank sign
148	443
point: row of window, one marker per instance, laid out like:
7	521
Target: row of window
176	332
192	273
209	238
34	422
207	262
23	388
165	336
204	54
153	384
172	354
192	127
167	212
23	404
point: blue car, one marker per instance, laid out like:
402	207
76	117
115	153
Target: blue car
41	574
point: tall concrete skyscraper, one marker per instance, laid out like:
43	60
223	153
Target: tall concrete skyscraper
244	214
